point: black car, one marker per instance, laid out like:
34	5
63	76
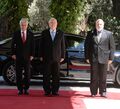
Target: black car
74	67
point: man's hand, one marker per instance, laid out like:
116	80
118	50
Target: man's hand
62	59
87	60
109	62
41	58
31	58
14	57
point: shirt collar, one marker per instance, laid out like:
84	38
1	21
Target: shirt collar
52	30
23	31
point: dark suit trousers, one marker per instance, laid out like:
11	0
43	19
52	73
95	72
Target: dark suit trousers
23	74
51	77
98	78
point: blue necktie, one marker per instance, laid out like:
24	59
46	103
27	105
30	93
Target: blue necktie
53	35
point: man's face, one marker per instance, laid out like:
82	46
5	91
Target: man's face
23	26
53	24
99	25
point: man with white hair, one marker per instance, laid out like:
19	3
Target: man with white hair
53	52
22	53
99	52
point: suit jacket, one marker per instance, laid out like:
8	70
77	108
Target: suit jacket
20	49
101	51
53	50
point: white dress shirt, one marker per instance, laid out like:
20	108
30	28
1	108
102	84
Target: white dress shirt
99	36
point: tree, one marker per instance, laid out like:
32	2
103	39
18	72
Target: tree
3	18
11	12
104	9
67	12
20	10
39	14
116	7
100	9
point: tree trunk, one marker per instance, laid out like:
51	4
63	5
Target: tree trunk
116	8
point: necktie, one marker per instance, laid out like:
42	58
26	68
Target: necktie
53	35
23	37
98	32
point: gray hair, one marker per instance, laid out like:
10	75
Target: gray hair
52	19
24	20
99	20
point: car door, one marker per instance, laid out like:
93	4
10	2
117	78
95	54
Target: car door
77	68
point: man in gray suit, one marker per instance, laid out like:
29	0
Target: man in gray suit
99	52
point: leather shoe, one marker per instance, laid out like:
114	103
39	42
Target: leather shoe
103	94
92	95
26	92
47	94
55	94
20	92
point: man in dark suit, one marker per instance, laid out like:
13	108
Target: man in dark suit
53	52
22	53
99	52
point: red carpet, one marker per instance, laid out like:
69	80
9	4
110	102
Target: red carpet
36	100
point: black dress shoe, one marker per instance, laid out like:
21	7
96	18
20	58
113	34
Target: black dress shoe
103	94
26	92
47	94
20	92
55	94
92	95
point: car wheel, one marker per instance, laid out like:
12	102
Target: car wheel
117	78
9	73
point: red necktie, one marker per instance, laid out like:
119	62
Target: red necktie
23	37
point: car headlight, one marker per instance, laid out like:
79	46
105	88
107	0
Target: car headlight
117	56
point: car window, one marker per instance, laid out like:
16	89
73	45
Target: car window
75	47
37	42
75	43
5	47
5	41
